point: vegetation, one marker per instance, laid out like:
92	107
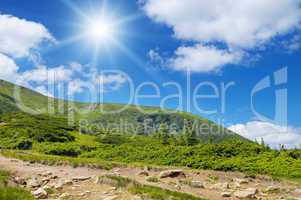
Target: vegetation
11	193
134	119
147	191
51	139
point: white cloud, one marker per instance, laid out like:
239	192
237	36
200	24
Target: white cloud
8	68
293	44
75	86
43	90
272	134
201	58
111	81
155	57
42	74
75	66
243	24
19	36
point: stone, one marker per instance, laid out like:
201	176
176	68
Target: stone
45	179
241	181
247	193
110	197
40	193
143	173
19	180
136	197
226	194
197	184
272	188
96	180
48	173
68	182
65	196
172	174
81	178
46	187
34	182
298	191
178	187
54	177
221	186
59	185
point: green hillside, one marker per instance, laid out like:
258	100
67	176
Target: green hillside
51	138
129	121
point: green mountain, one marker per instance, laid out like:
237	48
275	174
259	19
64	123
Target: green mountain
95	117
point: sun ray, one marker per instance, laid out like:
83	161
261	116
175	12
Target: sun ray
73	7
139	62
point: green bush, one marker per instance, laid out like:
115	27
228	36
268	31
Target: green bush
12	193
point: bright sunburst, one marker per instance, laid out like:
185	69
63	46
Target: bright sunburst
101	30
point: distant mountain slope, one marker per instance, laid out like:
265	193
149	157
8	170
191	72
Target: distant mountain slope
130	120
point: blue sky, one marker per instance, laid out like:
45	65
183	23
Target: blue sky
158	42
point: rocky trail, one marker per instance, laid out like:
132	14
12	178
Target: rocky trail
66	182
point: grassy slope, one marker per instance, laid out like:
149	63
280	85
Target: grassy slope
11	193
100	121
51	135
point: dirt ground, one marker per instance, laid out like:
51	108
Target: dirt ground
209	185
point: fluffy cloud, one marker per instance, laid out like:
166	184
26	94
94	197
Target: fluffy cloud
272	134
42	74
19	36
293	44
201	58
111	81
8	68
243	24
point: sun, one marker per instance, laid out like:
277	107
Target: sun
101	30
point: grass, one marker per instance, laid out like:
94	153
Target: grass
11	193
60	160
148	191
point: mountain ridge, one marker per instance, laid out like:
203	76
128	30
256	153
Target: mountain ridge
132	116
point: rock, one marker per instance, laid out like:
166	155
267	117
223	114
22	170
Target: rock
40	194
172	174
221	186
48	173
236	185
54	177
247	193
271	189
46	187
197	184
68	182
110	197
152	179
19	180
59	185
143	173
81	178
34	182
45	179
97	180
136	197
65	196
178	187
226	194
113	188
298	191
241	181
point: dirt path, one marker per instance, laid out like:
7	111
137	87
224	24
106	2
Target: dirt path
61	182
